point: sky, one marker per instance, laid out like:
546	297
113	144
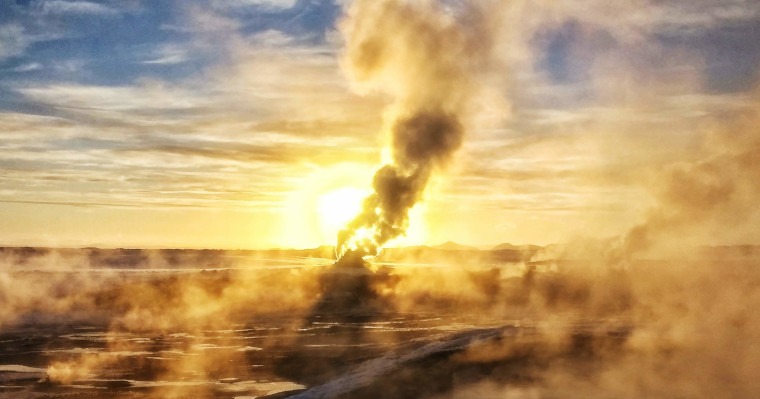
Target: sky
229	124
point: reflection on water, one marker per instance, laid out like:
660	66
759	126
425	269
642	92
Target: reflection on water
220	355
141	364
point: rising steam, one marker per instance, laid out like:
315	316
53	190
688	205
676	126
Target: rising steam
426	56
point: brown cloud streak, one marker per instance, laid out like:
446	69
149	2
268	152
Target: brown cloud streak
427	57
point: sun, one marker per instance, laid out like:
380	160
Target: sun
326	199
338	207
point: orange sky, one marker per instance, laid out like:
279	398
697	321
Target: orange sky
240	148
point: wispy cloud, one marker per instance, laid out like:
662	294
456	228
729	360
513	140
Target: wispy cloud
75	7
13	40
233	4
234	137
168	54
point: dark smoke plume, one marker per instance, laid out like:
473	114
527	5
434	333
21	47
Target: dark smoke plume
427	57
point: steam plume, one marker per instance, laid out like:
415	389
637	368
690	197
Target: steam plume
427	57
713	197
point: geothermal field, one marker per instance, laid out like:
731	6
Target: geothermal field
592	169
434	323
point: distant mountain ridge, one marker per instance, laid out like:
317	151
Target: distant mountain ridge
525	247
453	246
448	252
135	258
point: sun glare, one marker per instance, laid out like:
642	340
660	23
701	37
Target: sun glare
337	207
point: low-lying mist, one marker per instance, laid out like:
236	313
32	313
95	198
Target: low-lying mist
649	326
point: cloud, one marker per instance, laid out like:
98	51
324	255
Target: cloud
168	54
13	40
260	96
75	7
234	136
635	104
274	4
32	66
641	20
198	19
141	98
